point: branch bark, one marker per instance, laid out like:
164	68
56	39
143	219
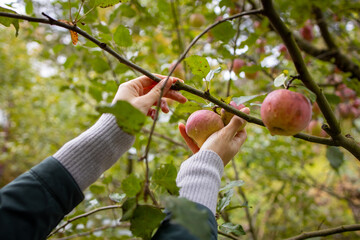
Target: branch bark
327	232
82	216
334	129
178	85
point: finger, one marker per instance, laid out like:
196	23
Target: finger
191	144
151	113
175	95
233	126
240	137
245	110
164	106
146	81
154	94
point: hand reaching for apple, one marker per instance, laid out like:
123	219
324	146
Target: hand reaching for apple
143	93
225	141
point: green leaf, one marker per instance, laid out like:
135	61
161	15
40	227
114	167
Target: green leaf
186	213
199	65
145	220
225	201
95	93
129	118
122	36
335	157
131	185
99	65
354	84
332	98
211	74
116	197
29	8
309	94
224	31
249	41
8	21
232	184
192	97
235	229
70	61
244	99
251	68
128	209
165	176
97	189
280	80
108	3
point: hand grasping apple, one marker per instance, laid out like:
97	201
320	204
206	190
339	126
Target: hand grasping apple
205	130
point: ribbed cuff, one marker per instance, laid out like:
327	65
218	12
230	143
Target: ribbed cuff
199	178
87	156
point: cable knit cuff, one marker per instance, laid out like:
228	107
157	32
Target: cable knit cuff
87	156
199	178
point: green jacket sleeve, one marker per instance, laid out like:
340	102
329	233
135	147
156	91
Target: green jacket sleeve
35	202
169	230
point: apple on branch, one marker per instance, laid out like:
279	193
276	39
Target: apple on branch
227	116
285	112
197	20
202	124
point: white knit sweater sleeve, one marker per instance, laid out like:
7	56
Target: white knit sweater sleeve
199	178
87	156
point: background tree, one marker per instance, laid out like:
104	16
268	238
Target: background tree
277	187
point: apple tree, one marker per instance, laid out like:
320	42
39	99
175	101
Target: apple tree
62	61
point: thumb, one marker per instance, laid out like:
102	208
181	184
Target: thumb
234	125
153	95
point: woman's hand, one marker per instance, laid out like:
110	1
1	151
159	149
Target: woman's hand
143	93
226	142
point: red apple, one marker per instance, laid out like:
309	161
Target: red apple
283	51
260	46
344	110
201	124
314	128
285	112
345	93
238	64
197	20
315	109
251	75
227	116
307	31
256	24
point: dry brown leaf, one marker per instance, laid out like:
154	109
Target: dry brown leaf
74	35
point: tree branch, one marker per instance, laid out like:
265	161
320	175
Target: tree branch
321	22
334	129
82	216
227	235
342	61
178	85
327	232
125	225
166	138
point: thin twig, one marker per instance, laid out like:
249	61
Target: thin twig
84	215
334	129
227	235
182	57
232	62
243	195
124	225
166	138
177	86
327	232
